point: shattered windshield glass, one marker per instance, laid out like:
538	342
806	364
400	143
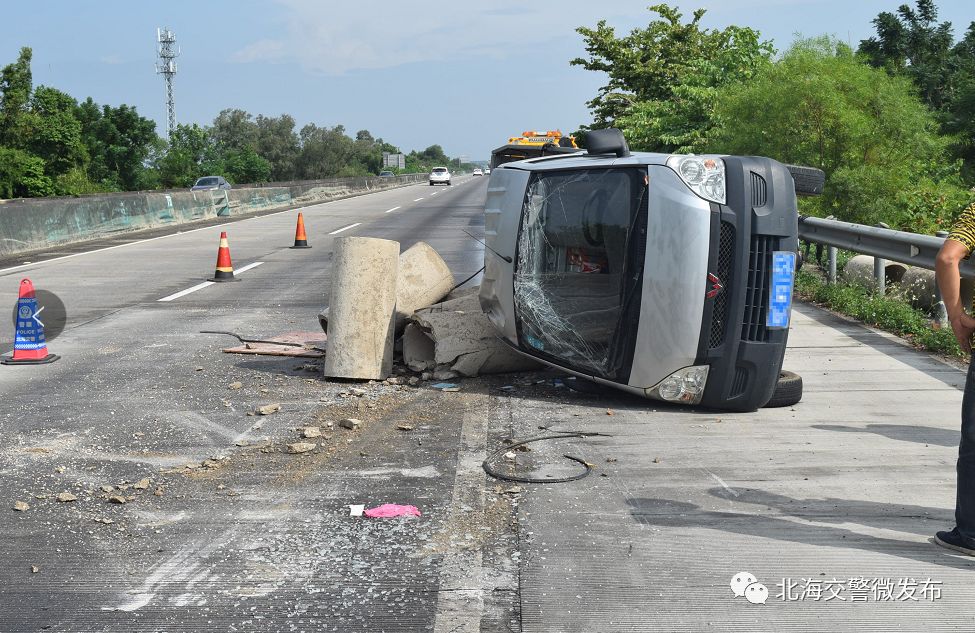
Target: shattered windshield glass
579	269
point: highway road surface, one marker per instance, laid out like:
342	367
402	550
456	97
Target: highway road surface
829	504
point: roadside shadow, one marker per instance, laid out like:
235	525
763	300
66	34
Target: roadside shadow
679	514
903	432
895	516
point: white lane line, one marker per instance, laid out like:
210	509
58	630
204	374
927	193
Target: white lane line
721	481
244	269
418	199
390	210
345	228
460	601
183	293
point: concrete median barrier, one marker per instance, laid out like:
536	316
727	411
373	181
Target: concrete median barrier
37	223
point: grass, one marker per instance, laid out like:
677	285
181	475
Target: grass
890	314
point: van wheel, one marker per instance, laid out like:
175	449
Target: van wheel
788	390
809	181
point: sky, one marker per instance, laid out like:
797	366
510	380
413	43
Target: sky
459	74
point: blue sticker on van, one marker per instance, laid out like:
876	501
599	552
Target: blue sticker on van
780	294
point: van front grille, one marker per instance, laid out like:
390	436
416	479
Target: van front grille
759	191
726	256
753	326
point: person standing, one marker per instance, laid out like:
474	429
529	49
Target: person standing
957	247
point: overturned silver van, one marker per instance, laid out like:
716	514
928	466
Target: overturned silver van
668	276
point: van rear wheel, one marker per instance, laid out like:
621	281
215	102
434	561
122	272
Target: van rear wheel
788	390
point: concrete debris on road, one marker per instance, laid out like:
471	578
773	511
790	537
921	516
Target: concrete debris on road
310	432
65	497
301	447
142	484
291	344
107	488
360	333
350	423
235	385
268	409
119	499
457	336
34	569
404	427
20	506
423	278
104	520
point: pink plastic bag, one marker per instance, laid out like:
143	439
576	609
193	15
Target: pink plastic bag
388	510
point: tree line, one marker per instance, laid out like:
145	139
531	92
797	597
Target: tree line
892	122
50	144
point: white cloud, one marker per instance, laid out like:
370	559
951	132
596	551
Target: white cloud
335	38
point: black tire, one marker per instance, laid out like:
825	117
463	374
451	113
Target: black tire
809	181
788	390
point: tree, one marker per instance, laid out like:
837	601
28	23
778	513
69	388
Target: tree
15	89
234	129
55	132
663	79
278	143
912	42
190	154
879	145
119	142
22	175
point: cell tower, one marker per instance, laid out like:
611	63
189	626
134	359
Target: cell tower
168	52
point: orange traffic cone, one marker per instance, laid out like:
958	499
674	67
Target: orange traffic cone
30	346
225	269
301	240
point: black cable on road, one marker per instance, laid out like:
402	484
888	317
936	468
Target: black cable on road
486	464
250	340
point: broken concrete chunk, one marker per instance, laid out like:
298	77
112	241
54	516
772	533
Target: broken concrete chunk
301	447
235	385
350	423
423	278
64	497
268	409
104	520
360	332
355	391
20	506
117	499
405	427
108	488
34	569
142	484
311	431
457	336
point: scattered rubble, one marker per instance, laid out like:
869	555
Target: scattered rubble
235	385
34	569
268	409
301	447
142	484
119	499
350	423
107	488
20	506
65	497
404	427
310	432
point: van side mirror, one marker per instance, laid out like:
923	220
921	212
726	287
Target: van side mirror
608	141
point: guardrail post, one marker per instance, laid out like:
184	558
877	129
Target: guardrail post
940	311
831	275
879	268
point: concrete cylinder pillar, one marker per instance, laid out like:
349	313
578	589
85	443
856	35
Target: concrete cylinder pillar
362	305
423	280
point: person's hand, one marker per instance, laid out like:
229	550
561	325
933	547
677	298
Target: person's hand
963	326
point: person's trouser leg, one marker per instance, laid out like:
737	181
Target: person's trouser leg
965	500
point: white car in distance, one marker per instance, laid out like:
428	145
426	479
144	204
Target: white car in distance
439	176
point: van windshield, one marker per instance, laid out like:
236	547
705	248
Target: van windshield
579	269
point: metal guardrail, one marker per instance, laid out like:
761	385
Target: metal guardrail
911	249
883	243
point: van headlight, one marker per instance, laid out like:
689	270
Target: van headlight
684	385
703	174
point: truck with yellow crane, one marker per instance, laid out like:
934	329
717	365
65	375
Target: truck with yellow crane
532	144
